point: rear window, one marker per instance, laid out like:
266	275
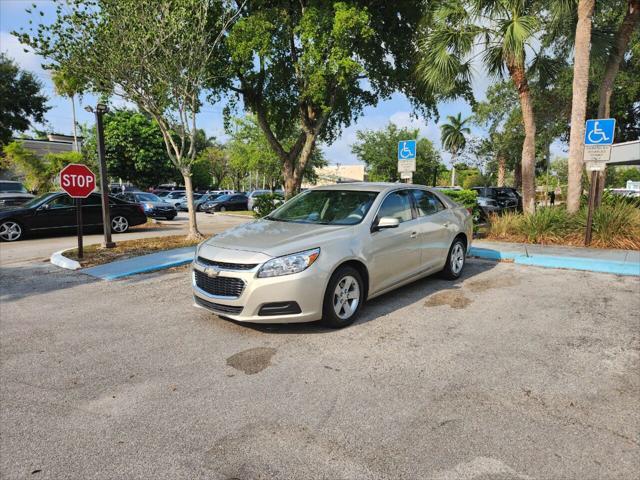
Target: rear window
13	187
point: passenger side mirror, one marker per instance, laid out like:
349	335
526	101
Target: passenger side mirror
386	222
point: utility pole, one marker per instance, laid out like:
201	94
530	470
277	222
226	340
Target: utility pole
99	112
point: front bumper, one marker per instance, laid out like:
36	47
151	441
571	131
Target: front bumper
306	289
158	213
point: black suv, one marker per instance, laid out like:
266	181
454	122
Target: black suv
505	198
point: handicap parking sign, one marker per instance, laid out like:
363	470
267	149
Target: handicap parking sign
406	149
599	131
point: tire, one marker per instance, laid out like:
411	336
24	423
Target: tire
171	217
119	224
11	231
455	260
222	209
339	308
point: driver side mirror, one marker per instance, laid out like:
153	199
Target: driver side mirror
385	222
44	206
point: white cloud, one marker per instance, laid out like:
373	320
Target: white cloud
26	60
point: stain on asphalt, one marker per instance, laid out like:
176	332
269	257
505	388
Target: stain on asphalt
482	285
252	361
453	298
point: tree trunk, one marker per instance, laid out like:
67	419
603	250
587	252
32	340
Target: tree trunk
579	103
502	168
623	36
75	128
194	233
517	176
293	168
528	162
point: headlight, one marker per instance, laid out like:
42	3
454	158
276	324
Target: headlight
289	264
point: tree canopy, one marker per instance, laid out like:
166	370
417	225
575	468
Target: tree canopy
21	99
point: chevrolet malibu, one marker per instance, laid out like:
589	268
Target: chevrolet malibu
322	254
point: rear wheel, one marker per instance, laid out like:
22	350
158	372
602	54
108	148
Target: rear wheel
10	231
119	224
343	298
223	209
455	260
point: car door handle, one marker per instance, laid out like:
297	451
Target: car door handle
414	234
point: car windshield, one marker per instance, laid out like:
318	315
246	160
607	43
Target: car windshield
176	194
223	198
12	187
326	207
34	202
147	197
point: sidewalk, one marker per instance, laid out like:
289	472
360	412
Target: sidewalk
619	262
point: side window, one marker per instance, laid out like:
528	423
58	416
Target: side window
397	205
427	203
63	201
92	200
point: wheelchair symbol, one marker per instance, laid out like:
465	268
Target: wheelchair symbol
597	135
405	152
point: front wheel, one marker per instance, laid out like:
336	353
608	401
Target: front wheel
455	260
119	224
343	298
10	231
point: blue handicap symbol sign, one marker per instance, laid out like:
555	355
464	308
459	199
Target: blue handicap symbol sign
406	149
599	131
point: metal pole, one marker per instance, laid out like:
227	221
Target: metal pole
79	222
435	176
592	203
104	186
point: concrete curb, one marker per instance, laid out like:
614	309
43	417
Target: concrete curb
58	259
235	215
557	261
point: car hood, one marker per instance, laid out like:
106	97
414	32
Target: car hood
275	238
160	204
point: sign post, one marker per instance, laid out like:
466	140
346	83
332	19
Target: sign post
406	159
598	138
78	181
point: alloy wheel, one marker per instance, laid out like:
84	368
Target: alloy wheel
119	224
10	231
346	297
457	258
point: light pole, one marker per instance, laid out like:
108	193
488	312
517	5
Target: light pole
99	111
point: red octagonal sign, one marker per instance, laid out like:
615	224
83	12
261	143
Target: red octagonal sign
77	180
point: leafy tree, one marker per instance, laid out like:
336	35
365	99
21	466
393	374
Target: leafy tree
306	69
500	33
216	160
67	85
452	137
378	149
134	149
155	54
41	173
21	99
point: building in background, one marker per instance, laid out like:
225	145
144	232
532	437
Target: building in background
338	174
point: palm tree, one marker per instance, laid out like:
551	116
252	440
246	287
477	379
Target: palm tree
579	102
452	137
69	86
498	32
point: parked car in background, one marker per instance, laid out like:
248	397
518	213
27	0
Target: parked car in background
13	193
153	206
57	212
322	254
199	203
496	200
181	204
223	203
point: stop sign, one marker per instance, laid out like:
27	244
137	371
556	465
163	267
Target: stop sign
77	180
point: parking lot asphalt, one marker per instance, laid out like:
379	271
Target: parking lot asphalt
513	372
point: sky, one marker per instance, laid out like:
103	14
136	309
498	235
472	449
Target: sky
397	109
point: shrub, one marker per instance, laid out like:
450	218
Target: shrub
616	224
504	226
547	224
463	197
265	204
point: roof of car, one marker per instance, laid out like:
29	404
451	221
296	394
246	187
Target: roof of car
368	186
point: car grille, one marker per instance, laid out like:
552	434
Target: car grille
226	265
221	286
216	307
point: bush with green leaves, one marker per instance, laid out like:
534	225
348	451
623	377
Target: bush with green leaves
468	199
265	204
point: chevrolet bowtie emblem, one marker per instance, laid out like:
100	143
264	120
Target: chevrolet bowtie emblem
211	271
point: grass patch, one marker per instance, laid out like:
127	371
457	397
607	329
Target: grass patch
244	213
97	255
616	224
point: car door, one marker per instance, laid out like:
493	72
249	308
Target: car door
433	229
59	212
92	210
394	253
238	202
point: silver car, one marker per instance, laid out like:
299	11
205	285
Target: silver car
325	252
